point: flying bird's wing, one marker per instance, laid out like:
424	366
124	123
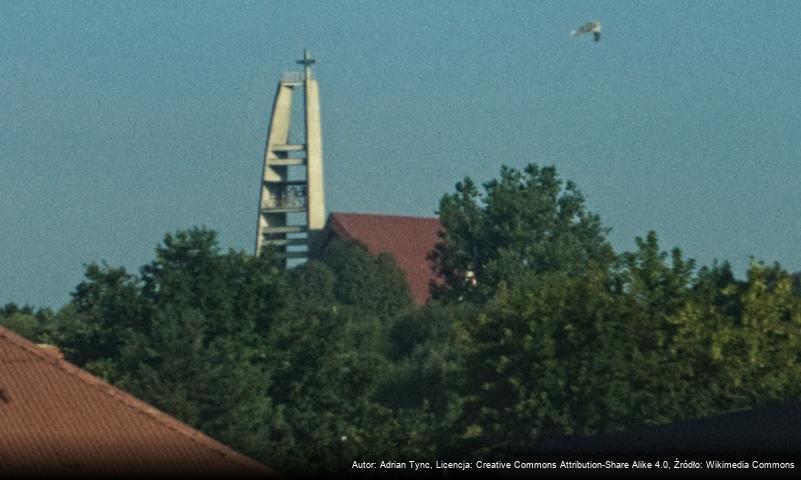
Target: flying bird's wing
586	28
593	27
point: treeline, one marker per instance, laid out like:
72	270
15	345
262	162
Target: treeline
329	362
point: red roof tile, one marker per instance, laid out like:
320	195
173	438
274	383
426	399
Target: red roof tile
56	418
407	239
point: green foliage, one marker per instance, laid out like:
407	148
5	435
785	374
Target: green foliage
280	365
187	335
36	325
426	372
524	223
533	357
230	289
311	368
659	287
327	370
312	286
797	283
24	324
372	283
215	382
740	357
106	310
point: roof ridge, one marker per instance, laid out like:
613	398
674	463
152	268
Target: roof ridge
416	217
137	405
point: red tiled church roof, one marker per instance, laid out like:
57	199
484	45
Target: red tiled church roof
56	418
407	239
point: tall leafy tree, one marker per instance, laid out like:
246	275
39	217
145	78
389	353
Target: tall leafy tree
654	285
188	335
533	356
230	289
526	222
107	310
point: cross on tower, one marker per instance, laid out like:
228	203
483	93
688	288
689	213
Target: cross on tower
307	63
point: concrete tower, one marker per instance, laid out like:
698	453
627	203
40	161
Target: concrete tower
292	200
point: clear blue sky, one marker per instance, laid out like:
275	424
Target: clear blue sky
122	121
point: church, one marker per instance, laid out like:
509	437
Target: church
292	218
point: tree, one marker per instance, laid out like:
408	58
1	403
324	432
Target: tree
230	289
524	223
797	283
188	335
661	288
741	349
312	286
34	324
107	310
217	383
544	360
373	283
426	371
327	369
23	324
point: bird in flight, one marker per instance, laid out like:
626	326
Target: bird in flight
593	27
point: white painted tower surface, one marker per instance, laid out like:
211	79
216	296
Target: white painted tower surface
292	199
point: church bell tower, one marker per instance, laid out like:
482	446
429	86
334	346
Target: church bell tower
292	198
